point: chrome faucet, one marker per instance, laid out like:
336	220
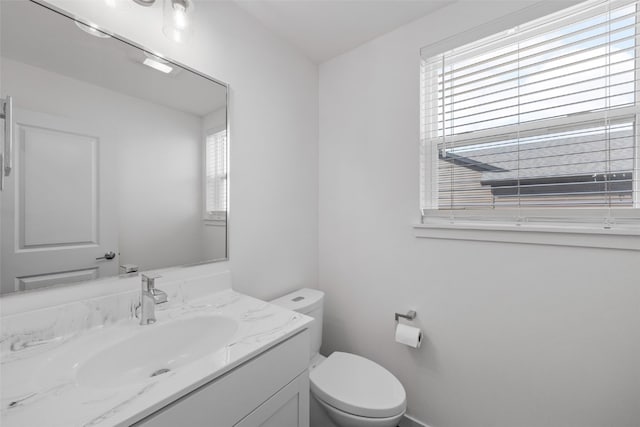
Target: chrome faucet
149	297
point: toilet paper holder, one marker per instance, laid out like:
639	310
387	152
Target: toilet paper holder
411	314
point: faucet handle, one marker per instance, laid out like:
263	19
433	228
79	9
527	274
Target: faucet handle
148	281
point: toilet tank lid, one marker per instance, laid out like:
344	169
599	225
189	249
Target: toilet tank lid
303	300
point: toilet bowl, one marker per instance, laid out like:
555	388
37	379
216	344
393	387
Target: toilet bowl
356	392
347	390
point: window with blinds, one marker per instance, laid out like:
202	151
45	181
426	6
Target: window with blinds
216	175
541	118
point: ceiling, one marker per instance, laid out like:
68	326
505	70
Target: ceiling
322	29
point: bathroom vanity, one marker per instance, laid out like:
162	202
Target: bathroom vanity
270	390
214	357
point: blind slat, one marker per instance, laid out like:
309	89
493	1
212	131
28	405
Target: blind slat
557	110
448	106
502	78
544	42
522	105
522	57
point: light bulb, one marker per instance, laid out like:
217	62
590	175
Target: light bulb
180	16
177	19
110	3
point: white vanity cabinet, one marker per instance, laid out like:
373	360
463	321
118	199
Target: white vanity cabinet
269	390
288	407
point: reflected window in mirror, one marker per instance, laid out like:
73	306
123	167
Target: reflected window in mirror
216	175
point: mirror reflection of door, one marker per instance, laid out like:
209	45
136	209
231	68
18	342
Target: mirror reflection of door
59	212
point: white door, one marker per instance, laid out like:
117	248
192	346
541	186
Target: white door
59	210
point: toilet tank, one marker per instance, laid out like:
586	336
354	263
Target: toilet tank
310	302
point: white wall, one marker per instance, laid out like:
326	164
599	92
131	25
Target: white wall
516	335
273	130
164	157
215	121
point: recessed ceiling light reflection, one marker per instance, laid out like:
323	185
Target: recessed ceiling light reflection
157	65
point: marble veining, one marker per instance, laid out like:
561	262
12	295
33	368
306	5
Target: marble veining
40	353
35	327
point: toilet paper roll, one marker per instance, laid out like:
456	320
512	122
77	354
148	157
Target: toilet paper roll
408	335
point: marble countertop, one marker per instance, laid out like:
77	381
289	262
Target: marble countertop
35	394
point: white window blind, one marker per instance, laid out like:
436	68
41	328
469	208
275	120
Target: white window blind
540	120
216	175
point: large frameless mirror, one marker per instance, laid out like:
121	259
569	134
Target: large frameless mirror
114	158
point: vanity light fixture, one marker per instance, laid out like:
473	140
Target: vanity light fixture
92	29
145	2
177	19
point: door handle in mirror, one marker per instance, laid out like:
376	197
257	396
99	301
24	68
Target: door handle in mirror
109	255
6	113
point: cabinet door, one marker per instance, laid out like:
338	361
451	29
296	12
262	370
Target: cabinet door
287	408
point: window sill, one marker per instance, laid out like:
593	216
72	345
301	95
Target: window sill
549	234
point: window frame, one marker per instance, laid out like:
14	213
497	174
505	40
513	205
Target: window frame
613	221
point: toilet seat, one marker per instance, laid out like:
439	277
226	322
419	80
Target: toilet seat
358	386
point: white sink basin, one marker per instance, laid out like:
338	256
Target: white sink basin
155	350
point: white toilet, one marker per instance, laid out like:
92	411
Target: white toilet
346	390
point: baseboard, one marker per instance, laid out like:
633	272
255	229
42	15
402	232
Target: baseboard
409	421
